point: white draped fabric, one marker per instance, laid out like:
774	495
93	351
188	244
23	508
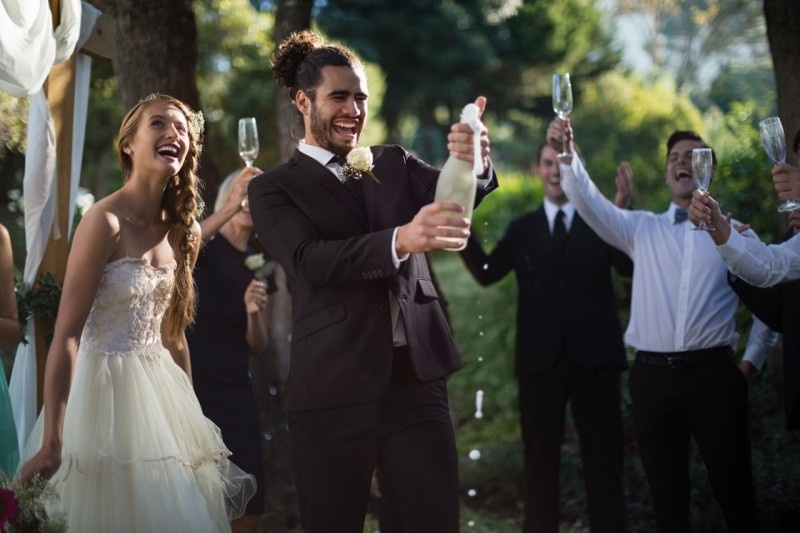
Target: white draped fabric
29	48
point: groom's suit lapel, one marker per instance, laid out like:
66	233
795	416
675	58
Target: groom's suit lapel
324	178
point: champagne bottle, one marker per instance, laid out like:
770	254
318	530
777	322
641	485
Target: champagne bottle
457	179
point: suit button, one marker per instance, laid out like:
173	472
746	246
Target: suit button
383	309
365	275
380	272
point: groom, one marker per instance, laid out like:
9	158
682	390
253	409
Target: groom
370	343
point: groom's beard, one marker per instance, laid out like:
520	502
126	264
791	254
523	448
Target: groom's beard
321	131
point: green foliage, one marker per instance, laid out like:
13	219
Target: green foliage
743	183
460	49
747	83
687	38
40	301
622	118
13	123
235	41
101	173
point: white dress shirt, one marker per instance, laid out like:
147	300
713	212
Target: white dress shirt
551	210
762	340
680	298
760	264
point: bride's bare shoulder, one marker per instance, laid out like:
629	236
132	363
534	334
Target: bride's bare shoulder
100	224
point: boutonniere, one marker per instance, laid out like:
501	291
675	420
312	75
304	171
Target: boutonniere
261	268
359	162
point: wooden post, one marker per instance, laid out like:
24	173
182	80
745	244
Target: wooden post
60	90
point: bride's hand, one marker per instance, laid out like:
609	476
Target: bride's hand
45	463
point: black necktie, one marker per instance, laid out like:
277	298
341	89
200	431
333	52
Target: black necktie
559	230
680	215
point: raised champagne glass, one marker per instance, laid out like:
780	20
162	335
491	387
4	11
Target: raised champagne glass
248	140
702	162
775	144
562	101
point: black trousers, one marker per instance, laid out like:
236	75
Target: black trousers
594	394
406	433
707	401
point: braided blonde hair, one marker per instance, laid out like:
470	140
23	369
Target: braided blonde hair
181	202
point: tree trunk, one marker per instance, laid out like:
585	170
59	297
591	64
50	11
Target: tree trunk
783	24
157	52
290	16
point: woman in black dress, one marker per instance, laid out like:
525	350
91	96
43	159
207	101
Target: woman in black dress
231	327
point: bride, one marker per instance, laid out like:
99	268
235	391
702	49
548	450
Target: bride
121	435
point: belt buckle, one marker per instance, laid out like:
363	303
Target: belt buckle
677	361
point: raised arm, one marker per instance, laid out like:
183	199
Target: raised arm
614	225
233	204
755	262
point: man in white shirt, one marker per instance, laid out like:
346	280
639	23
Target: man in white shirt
755	262
684	382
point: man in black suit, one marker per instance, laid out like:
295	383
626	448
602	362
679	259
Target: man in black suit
370	344
569	347
778	308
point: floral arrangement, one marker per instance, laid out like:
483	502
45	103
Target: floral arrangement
359	162
260	267
41	300
24	506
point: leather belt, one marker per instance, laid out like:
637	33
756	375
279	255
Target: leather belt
676	360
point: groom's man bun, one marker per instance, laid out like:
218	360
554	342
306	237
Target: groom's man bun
297	64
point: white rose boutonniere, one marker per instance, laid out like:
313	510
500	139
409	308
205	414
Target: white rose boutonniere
359	162
261	268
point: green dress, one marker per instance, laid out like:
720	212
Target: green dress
9	450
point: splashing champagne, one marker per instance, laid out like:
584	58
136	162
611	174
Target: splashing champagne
479	404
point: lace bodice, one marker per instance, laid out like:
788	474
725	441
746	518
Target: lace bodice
131	301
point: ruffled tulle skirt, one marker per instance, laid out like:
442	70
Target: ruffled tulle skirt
138	454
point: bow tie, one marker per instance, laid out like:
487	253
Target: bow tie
680	215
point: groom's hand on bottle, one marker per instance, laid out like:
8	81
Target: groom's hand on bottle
459	140
433	223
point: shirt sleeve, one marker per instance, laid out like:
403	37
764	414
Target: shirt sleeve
760	342
396	260
614	225
760	264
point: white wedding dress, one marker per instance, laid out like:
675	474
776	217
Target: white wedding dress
138	454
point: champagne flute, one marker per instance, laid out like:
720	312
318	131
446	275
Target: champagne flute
775	144
702	161
248	140
562	101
